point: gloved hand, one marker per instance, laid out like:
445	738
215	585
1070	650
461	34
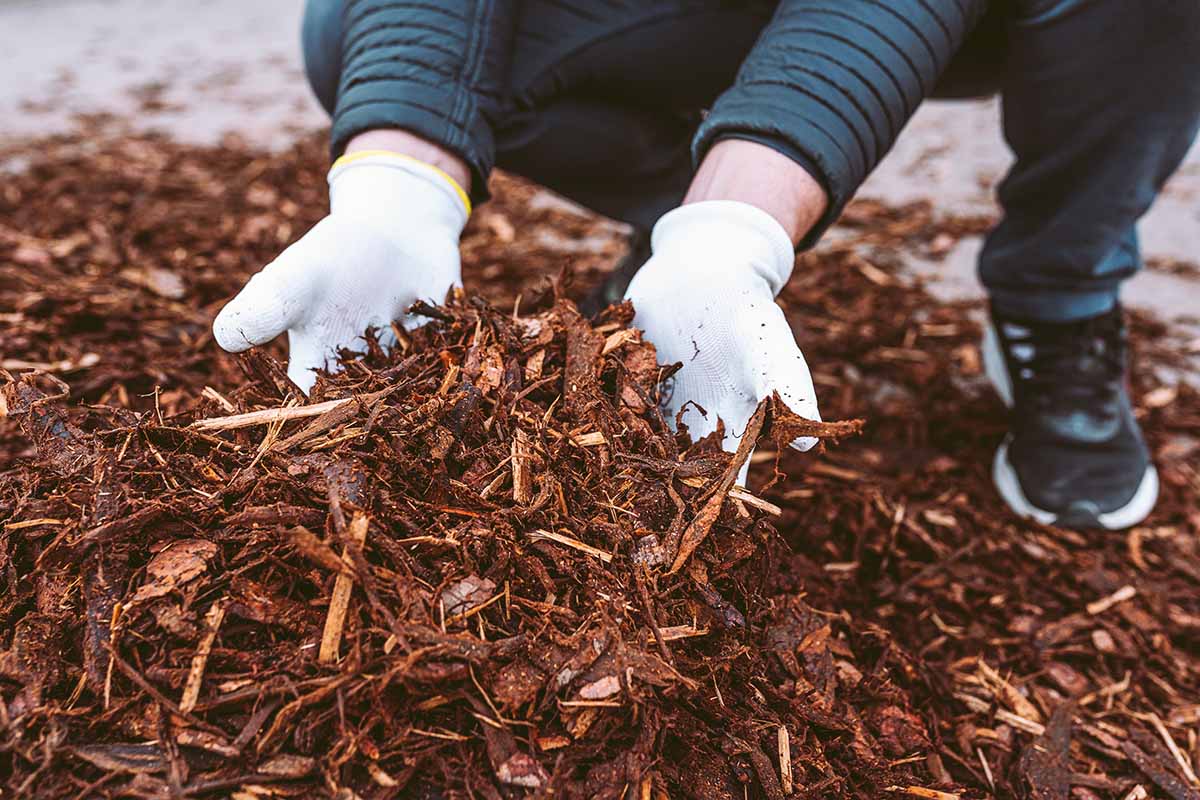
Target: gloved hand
391	238
706	298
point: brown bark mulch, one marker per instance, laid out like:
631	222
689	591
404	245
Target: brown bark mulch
483	566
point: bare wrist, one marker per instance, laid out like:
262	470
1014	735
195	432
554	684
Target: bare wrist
410	144
752	173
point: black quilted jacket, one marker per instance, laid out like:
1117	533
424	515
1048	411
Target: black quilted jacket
834	80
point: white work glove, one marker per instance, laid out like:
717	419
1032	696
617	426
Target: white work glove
391	238
706	298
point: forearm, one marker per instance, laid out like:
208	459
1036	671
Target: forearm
831	84
752	173
436	71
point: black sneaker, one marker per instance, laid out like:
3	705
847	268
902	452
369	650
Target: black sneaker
1075	456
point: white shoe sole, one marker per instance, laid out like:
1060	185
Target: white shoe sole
1005	477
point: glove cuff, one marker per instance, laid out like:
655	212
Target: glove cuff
727	233
381	182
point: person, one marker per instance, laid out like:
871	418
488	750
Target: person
736	132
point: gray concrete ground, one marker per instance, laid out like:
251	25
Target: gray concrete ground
196	69
201	69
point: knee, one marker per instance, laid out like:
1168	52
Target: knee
321	45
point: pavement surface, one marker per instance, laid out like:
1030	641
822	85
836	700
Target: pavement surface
209	68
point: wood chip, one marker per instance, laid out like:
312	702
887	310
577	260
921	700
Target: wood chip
673	632
1105	603
593	439
697	530
339	603
623	336
311	547
522	476
85	361
1009	694
785	759
191	689
928	794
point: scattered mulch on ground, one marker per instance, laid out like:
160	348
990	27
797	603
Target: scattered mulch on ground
471	573
1174	266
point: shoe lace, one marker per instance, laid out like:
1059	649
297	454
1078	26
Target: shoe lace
1066	366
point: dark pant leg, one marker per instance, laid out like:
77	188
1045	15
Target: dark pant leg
626	163
1101	102
606	97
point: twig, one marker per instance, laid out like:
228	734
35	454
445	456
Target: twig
267	416
167	703
981	706
448	735
1176	753
1107	691
644	591
339	414
987	768
269	440
737	493
88	791
473	610
1008	693
218	398
176	770
595	552
31	523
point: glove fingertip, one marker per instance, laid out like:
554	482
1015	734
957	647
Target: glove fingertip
302	375
226	332
259	313
237	331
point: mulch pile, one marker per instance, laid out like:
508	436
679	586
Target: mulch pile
483	566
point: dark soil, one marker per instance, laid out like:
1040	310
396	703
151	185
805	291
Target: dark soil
493	571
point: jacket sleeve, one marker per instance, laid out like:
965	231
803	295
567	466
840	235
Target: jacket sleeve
830	83
438	69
